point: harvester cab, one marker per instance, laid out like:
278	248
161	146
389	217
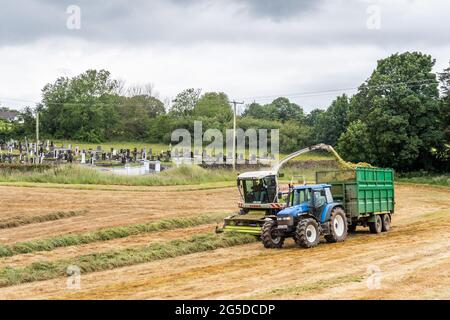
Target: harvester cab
258	190
260	197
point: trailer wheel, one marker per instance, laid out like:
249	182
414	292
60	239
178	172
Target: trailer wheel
386	222
338	226
269	238
377	226
307	234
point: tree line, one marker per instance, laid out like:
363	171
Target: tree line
399	117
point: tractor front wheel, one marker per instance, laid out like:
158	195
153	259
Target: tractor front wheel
307	234
377	226
338	226
270	237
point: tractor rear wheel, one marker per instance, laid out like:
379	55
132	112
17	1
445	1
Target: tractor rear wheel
377	226
307	234
338	226
269	236
386	222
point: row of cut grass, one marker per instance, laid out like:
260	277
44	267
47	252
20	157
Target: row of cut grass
121	258
19	221
106	234
77	174
115	188
437	179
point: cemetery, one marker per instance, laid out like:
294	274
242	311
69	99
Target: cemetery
118	161
22	152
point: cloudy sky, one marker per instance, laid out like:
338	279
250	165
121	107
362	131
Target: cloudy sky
308	50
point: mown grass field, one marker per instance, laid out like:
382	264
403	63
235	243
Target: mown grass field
176	254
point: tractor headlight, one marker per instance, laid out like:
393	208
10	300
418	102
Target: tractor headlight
285	220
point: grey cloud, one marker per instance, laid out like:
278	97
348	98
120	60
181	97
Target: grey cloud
184	22
281	8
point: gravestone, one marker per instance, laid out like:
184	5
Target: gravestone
146	166
157	166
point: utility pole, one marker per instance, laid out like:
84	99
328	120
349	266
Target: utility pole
234	132
37	131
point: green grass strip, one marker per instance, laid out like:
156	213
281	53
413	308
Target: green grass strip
121	258
105	234
77	174
21	221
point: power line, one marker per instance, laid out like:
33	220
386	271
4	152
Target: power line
326	92
289	95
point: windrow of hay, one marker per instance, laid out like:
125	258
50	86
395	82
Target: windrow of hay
105	234
77	174
121	258
23	220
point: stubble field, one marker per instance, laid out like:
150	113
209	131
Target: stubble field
159	243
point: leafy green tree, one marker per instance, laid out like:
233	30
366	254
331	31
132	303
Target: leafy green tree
29	122
287	111
445	111
294	136
353	143
83	107
255	110
280	109
135	114
312	119
185	102
399	104
444	77
330	124
214	105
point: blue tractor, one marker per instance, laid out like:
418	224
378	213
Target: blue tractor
311	212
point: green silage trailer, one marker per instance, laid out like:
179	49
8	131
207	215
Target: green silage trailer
367	195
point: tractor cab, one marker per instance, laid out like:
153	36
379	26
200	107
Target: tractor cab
307	199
